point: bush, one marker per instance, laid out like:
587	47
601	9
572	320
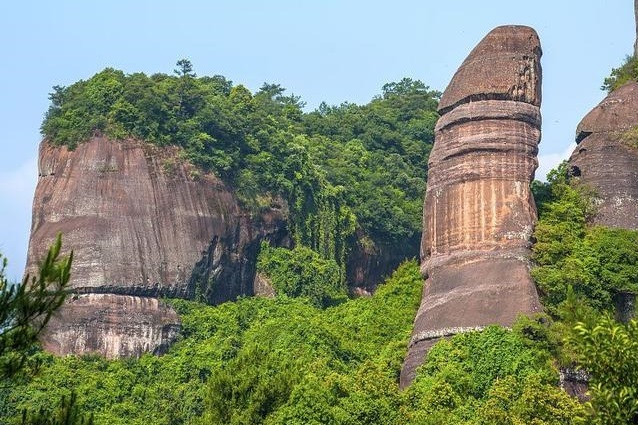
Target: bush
301	272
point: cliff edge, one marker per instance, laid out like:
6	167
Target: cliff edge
606	157
143	224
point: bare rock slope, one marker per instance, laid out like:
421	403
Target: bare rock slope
606	157
479	212
143	224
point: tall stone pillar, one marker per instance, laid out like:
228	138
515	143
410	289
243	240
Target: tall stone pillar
479	213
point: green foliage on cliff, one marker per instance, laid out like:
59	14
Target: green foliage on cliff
301	272
596	262
247	362
580	269
619	76
338	168
491	377
309	355
607	350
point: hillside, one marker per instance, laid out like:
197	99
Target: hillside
284	361
349	182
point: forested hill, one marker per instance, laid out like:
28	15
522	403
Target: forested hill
341	169
294	358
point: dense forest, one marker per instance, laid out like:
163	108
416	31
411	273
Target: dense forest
313	354
339	169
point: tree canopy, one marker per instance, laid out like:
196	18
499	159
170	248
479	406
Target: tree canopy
594	261
285	361
339	168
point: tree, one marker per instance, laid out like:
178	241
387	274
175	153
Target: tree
25	309
67	413
301	272
184	68
607	350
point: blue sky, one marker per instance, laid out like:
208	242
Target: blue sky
326	50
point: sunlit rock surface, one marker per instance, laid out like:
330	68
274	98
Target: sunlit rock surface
143	224
606	157
479	212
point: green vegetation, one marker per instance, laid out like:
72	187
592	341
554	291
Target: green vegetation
607	350
310	355
25	309
246	362
491	377
619	76
580	269
285	361
630	137
301	272
338	168
596	262
67	412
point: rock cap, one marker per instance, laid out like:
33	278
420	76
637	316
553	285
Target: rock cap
505	65
617	112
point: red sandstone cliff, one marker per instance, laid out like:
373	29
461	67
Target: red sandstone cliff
479	212
606	157
143	224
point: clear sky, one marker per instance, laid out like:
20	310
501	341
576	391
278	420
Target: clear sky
324	50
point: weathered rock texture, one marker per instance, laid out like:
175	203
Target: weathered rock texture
479	212
606	157
112	325
575	382
142	225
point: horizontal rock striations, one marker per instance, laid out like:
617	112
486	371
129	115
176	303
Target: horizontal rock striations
143	224
112	325
479	212
606	157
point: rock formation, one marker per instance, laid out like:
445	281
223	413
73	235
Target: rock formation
142	224
479	212
606	157
369	264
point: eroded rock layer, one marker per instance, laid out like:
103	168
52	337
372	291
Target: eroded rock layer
479	212
142	224
112	325
606	157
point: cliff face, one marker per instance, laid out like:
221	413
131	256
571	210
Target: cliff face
369	264
606	157
479	212
142	224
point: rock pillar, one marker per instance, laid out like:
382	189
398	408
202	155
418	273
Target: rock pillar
479	213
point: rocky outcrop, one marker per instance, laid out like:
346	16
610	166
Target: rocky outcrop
112	325
369	263
143	224
606	157
479	212
575	382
